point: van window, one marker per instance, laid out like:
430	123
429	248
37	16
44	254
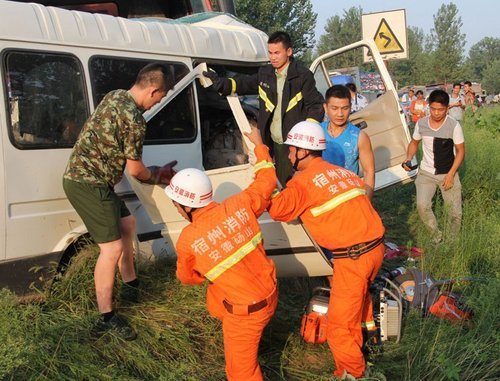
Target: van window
107	8
46	99
175	123
221	138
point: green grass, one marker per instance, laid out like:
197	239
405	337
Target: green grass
50	340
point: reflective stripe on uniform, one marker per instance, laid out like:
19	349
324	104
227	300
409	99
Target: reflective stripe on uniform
234	258
311	120
262	165
337	200
369	325
276	192
269	105
233	85
293	102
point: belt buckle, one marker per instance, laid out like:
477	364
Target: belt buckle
353	252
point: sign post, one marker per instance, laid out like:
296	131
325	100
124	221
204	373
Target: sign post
388	31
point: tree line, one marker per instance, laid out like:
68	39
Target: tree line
436	57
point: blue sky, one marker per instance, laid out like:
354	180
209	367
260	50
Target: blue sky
480	18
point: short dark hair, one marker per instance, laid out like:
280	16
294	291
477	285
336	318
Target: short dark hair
282	37
419	92
338	91
468	83
351	86
155	74
457	84
439	96
316	153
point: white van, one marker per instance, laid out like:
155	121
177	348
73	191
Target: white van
56	65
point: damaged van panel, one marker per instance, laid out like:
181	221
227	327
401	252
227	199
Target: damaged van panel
287	244
383	118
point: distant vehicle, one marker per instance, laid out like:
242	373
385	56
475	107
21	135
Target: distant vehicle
341	79
55	68
489	99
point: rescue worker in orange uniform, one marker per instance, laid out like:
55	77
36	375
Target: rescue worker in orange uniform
332	203
223	245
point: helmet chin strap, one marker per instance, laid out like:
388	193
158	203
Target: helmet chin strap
189	215
297	160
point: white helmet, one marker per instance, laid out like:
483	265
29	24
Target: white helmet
308	135
190	187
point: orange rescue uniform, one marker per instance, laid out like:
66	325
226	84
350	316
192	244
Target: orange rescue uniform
223	245
332	203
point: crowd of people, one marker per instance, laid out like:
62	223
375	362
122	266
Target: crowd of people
462	97
307	168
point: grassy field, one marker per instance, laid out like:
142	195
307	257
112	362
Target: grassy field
178	341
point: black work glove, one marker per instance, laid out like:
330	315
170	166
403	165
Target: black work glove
221	85
161	175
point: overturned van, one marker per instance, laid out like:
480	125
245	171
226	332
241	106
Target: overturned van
56	66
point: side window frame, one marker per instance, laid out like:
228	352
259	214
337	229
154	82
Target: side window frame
187	122
222	141
63	134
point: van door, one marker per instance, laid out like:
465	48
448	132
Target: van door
383	118
3	204
46	108
287	244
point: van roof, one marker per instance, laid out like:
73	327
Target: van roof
210	35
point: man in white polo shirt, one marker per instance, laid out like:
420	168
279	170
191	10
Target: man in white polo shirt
443	153
457	104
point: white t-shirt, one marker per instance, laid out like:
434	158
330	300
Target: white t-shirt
358	102
438	145
456	112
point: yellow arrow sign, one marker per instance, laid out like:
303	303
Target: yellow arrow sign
386	40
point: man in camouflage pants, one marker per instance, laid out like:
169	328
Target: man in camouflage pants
112	139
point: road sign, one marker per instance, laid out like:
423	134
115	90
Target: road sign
388	30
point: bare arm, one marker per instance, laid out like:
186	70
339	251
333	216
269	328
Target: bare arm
151	175
459	158
367	161
410	152
137	169
456	104
412	107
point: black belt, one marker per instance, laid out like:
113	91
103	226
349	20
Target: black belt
355	251
244	309
240	309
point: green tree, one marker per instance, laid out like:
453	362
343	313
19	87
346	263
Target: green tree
411	71
293	16
490	80
307	58
448	43
481	55
342	31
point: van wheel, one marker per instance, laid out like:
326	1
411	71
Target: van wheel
64	264
71	251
